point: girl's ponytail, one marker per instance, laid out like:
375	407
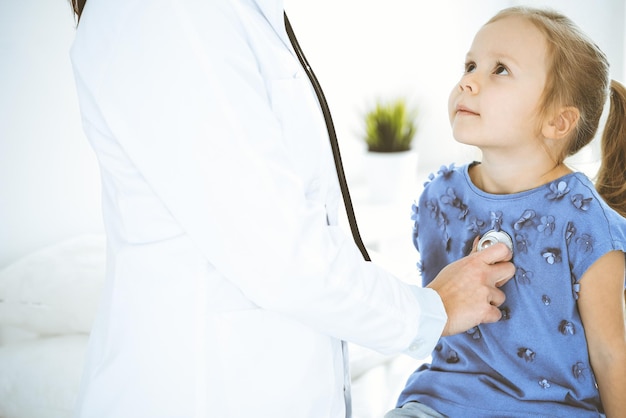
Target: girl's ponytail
611	181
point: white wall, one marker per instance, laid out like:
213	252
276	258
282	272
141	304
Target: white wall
49	185
360	50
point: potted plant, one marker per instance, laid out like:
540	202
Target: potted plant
390	162
390	126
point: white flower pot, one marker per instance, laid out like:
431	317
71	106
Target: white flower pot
390	176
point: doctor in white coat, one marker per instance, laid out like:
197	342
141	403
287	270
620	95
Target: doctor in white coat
230	287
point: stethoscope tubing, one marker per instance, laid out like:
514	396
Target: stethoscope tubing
330	127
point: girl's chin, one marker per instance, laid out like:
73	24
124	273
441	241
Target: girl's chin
466	140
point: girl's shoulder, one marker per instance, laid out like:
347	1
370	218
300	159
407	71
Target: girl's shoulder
585	199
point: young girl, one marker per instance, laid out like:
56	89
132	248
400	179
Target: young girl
532	94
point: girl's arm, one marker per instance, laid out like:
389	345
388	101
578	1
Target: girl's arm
603	312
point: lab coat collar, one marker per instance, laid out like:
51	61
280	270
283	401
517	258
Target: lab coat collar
273	10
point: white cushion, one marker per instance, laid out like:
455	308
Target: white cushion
40	377
54	290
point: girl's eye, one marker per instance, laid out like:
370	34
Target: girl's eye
470	67
501	70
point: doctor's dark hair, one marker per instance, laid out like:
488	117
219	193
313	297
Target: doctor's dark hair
578	76
77	7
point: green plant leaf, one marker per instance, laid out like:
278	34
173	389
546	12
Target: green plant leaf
390	126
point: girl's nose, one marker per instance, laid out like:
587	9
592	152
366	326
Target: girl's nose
468	85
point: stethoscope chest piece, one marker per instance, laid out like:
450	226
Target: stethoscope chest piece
493	237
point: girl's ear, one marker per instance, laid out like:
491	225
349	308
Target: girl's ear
562	124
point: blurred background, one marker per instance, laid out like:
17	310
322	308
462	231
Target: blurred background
361	50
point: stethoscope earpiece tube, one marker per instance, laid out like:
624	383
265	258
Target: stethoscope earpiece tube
333	140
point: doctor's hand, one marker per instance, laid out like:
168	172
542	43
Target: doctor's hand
469	288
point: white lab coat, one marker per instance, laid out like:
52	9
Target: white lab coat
230	286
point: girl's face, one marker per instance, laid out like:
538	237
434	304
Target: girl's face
495	104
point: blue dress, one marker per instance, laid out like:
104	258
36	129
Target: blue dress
534	362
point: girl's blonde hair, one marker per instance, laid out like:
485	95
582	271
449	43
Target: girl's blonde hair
578	76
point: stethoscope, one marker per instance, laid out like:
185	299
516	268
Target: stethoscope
488	239
333	140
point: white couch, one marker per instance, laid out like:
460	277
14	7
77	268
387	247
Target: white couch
47	304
